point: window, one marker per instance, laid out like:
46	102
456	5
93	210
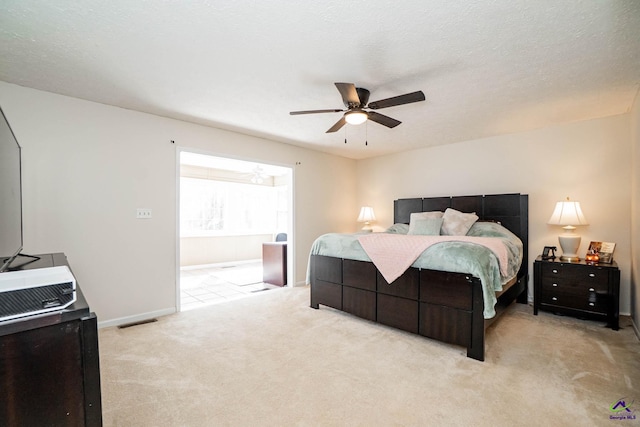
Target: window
209	207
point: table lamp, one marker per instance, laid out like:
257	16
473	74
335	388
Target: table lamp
568	214
366	216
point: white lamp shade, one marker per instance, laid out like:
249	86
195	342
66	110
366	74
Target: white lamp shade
366	214
567	213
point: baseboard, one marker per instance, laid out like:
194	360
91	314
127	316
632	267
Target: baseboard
136	318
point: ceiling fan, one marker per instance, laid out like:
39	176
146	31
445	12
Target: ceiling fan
356	99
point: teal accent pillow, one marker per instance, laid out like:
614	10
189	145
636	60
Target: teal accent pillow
426	226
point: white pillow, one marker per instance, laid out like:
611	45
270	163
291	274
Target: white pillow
456	223
422	215
425	226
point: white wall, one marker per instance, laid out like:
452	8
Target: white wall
88	166
635	215
588	161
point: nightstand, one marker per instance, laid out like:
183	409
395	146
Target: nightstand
577	289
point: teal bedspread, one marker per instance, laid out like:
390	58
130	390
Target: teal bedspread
458	257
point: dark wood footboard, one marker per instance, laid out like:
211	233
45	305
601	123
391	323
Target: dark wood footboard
444	306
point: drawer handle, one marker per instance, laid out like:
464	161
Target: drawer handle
555	285
592	275
591	290
555	271
554	299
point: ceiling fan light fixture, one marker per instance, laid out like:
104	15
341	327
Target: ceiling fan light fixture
355	117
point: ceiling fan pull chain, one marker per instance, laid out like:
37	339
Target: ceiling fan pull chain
345	135
366	133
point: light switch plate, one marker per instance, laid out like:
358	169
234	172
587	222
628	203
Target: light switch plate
143	213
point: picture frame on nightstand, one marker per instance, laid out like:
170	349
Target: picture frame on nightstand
604	251
549	252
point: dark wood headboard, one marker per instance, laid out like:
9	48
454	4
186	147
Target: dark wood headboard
510	210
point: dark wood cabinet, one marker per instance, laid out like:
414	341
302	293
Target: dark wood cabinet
274	263
49	365
577	289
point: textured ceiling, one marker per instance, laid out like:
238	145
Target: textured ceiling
486	67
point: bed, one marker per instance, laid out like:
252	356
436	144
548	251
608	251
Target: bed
448	306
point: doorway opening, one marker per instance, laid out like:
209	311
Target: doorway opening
231	211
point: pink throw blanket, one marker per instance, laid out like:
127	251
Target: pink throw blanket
393	254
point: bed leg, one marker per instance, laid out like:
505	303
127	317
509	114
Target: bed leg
523	298
475	350
312	275
312	298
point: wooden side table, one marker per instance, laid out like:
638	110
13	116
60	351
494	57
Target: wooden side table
577	289
274	263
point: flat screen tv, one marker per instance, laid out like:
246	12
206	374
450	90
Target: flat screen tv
10	195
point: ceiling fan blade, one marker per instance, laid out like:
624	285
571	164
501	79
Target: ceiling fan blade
349	94
407	98
294	113
382	119
338	125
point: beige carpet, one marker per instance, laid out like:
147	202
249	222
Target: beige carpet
270	360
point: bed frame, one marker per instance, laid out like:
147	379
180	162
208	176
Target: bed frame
436	304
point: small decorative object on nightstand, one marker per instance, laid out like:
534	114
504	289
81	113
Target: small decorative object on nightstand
592	257
577	289
604	251
549	252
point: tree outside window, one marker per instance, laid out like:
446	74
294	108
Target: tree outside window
209	207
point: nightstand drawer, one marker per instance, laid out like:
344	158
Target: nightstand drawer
571	288
578	297
586	275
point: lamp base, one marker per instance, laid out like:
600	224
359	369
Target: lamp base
569	242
